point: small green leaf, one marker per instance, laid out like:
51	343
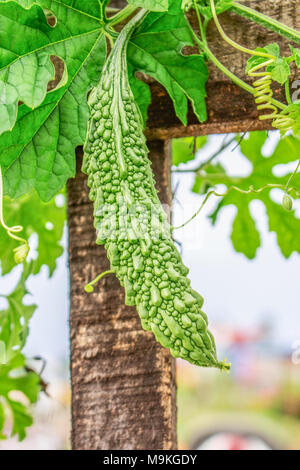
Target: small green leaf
293	112
254	61
151	5
280	70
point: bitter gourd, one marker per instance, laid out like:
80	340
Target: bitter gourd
131	222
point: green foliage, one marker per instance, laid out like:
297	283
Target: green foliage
295	55
46	220
183	150
152	5
15	319
156	50
286	225
40	129
14	377
279	69
205	10
25	67
39	152
293	111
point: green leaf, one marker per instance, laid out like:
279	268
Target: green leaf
14	320
141	92
90	7
15	378
25	67
155	49
184	149
39	151
285	224
8	106
245	237
293	112
280	70
14	329
272	49
45	220
152	5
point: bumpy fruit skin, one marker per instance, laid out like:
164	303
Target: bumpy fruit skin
140	251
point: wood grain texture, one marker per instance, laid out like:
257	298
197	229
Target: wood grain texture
123	381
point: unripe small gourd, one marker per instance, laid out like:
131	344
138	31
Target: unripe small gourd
287	202
139	248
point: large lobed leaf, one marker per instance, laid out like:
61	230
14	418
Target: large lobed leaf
39	151
245	236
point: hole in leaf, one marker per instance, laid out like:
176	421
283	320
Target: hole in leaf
61	75
49	225
50	18
60	200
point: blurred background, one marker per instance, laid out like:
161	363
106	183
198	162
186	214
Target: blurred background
253	308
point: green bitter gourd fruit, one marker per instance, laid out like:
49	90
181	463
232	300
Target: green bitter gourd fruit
131	222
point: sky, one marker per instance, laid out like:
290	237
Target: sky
239	294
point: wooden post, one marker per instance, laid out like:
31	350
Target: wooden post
123	381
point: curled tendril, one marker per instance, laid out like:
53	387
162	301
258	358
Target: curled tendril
263	93
89	288
264	98
21	251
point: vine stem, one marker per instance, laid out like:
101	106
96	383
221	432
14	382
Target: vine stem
122	15
291	177
266	21
287	92
251	190
89	287
233	43
202	44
